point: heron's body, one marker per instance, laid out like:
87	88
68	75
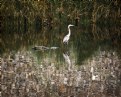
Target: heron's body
67	37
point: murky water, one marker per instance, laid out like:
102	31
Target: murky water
83	43
38	64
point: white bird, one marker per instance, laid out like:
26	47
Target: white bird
67	37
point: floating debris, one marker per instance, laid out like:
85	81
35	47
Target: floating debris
54	48
44	48
40	48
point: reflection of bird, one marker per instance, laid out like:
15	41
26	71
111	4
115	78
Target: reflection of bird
67	59
67	37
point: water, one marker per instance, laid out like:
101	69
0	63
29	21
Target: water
83	43
89	65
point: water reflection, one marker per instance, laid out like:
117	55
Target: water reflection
67	60
88	66
82	42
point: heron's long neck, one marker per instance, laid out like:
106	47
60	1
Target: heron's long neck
69	30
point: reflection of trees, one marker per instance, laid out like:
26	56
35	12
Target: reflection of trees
83	41
87	40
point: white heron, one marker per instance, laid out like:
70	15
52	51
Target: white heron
67	37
